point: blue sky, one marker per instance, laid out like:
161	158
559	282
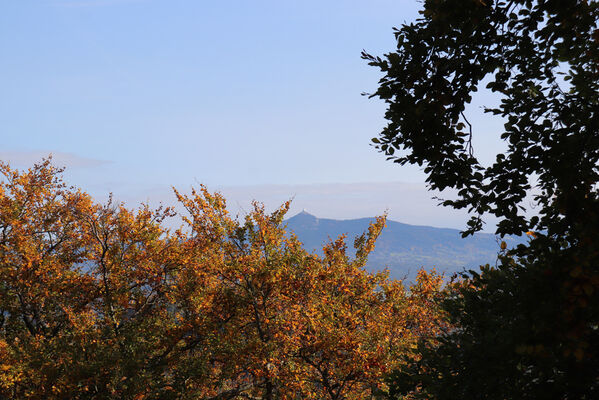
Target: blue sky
259	99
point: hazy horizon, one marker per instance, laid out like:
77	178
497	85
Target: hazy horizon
260	101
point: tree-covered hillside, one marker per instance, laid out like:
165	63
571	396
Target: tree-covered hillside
403	248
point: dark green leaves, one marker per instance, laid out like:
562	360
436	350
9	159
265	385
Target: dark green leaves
529	328
521	45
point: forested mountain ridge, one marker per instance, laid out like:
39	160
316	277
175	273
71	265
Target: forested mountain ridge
404	248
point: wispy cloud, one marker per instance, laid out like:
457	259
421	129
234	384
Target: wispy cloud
23	159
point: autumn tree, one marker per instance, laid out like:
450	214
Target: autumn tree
300	325
527	328
88	296
100	301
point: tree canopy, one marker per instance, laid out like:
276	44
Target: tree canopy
526	328
541	59
101	301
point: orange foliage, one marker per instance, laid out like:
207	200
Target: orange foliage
99	301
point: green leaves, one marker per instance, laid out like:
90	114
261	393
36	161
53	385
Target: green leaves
513	337
440	61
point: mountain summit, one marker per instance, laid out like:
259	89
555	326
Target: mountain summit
303	220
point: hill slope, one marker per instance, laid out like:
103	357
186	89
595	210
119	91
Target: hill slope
403	248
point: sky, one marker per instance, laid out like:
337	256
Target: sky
257	99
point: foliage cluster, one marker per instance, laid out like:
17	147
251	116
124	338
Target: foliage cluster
528	328
100	301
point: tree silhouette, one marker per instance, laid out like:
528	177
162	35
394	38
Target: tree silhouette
528	328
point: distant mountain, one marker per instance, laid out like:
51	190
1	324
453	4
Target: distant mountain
403	248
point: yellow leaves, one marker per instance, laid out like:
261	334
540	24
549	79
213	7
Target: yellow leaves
364	244
11	373
113	299
532	234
